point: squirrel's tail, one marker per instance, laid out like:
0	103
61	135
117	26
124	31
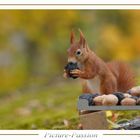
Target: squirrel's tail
124	74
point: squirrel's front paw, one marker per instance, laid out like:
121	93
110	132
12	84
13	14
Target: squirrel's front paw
76	72
65	75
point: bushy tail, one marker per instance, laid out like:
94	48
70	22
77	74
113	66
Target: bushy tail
124	74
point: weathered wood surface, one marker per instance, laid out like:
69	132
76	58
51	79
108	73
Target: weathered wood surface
94	121
83	105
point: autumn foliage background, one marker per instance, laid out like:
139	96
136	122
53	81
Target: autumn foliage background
33	44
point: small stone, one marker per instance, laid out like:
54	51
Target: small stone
98	100
135	91
33	126
126	95
110	100
80	126
120	97
66	123
128	102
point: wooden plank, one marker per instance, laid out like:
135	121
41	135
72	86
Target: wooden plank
83	105
94	121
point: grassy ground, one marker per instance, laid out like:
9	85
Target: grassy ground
52	107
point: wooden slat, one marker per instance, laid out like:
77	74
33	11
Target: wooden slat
95	120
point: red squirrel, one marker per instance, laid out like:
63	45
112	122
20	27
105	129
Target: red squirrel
113	76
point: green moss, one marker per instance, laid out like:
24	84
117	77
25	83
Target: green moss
45	108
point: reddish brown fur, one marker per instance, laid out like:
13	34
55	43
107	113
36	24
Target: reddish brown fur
124	74
114	76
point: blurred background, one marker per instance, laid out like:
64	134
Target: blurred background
33	44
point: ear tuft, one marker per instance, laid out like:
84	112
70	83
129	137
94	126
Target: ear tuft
82	38
72	37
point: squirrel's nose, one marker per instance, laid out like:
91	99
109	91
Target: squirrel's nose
72	60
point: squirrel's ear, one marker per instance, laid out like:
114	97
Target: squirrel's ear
72	37
82	40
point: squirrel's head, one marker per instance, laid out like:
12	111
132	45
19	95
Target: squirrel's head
78	51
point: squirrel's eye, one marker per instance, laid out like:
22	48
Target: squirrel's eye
78	52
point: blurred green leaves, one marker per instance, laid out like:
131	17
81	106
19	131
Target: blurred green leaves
33	46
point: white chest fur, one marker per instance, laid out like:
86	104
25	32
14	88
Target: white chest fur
94	84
